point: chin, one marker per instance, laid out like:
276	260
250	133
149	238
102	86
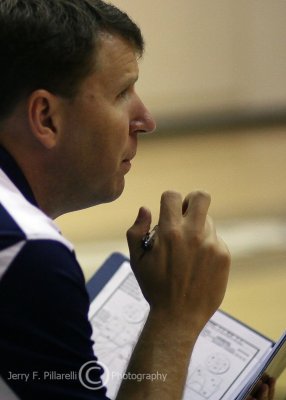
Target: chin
114	194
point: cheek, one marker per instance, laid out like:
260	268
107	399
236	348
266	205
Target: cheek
105	154
104	137
115	136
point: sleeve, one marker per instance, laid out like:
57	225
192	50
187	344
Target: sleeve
45	335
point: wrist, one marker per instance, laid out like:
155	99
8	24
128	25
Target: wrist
174	327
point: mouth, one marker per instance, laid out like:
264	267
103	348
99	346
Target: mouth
129	158
126	164
127	161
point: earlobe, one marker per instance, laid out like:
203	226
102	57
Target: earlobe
42	117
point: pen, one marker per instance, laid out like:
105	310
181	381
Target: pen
148	239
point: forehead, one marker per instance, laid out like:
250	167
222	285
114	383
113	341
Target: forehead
117	60
113	46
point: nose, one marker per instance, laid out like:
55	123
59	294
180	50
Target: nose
144	121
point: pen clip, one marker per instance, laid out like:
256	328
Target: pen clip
148	239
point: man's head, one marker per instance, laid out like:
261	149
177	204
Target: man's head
70	112
50	44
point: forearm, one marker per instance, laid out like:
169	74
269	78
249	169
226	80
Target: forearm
160	361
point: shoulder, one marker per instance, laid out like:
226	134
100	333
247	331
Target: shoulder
21	219
26	232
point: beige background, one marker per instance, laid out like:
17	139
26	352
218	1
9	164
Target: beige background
211	55
202	56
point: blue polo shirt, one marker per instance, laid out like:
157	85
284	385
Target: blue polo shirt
45	335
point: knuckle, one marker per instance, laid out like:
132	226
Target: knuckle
200	194
211	249
199	197
130	233
225	258
196	239
224	253
217	255
175	234
169	194
204	194
208	253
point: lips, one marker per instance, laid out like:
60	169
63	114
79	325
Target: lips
126	165
127	161
129	158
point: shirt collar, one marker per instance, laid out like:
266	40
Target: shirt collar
12	170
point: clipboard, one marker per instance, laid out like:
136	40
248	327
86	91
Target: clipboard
104	273
273	366
219	340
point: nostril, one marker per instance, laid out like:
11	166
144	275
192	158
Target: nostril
145	124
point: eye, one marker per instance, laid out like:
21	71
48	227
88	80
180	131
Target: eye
124	94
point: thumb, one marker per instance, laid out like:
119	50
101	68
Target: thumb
140	227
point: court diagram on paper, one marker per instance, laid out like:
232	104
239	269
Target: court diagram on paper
223	356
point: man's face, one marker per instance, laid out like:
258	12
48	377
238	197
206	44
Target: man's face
102	123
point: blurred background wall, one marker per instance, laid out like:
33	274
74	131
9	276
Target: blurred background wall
214	76
206	57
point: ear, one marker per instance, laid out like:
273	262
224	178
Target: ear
44	112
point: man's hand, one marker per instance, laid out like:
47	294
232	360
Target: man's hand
184	275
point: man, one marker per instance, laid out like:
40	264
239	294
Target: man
69	124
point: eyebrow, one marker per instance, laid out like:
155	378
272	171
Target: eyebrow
130	81
126	84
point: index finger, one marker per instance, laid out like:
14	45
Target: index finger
171	208
195	207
